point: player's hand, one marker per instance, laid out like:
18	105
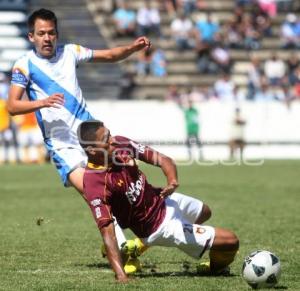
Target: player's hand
142	43
169	189
122	279
55	100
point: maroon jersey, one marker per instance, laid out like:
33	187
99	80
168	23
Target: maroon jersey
123	191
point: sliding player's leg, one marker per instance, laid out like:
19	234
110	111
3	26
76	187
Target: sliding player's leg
223	250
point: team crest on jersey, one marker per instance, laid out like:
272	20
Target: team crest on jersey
200	230
18	76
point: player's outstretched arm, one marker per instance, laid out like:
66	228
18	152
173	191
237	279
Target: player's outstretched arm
113	253
168	167
15	104
120	53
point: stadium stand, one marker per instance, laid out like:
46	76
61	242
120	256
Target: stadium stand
94	27
182	67
12	32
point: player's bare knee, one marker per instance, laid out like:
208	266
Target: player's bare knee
232	241
205	214
225	240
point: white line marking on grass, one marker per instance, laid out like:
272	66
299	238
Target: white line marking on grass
37	271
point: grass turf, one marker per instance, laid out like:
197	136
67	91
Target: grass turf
49	240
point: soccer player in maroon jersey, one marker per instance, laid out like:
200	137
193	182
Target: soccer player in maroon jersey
114	186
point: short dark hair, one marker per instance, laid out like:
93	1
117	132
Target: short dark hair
43	14
86	132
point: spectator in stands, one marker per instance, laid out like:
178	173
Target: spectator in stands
293	63
296	86
125	20
152	61
4	117
144	62
242	3
205	63
232	35
264	94
268	6
188	6
8	128
148	20
221	57
169	5
236	140
275	70
208	30
284	5
225	89
255	75
173	94
127	85
158	63
261	21
250	35
289	34
183	32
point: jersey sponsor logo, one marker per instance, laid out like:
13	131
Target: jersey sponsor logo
139	147
96	202
19	77
134	190
97	212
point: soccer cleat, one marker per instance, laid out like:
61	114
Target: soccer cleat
140	247
129	248
133	247
132	266
204	269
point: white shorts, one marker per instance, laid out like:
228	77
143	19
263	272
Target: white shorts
67	160
32	137
178	228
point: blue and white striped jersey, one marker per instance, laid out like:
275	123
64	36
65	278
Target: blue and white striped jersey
43	77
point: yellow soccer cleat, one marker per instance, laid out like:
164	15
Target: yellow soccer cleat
129	248
132	266
203	269
140	247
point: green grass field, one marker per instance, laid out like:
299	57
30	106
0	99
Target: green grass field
261	204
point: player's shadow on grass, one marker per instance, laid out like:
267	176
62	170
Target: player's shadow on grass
173	274
95	265
280	287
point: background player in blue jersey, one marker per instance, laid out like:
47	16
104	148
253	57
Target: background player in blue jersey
48	75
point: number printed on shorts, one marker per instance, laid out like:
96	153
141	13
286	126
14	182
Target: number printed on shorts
188	228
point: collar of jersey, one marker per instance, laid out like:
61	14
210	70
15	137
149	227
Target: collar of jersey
95	166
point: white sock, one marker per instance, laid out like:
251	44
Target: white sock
119	234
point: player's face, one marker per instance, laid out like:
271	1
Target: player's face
44	37
104	142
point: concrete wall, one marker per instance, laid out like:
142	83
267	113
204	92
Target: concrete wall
157	121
